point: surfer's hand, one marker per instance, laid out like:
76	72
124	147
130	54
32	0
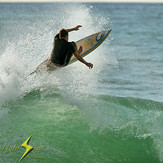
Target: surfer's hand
90	65
77	27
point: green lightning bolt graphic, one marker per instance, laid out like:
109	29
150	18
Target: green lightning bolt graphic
27	147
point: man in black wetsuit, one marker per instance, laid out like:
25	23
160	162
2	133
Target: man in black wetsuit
63	50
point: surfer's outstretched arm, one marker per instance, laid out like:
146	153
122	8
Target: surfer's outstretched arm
74	29
69	30
77	55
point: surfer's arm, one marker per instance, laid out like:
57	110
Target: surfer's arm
76	54
74	29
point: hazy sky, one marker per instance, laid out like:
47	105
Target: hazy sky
147	1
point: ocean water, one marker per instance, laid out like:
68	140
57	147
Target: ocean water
112	113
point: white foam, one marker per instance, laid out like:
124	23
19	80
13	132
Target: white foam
34	45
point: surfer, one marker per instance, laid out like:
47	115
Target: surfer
63	50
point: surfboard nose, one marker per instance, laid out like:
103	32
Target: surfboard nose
109	30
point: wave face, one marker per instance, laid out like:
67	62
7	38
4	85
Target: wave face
111	113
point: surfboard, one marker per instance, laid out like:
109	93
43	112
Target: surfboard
89	44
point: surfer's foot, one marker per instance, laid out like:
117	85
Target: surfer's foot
80	50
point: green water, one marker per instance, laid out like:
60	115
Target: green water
82	132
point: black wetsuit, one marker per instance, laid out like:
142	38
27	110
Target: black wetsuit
62	51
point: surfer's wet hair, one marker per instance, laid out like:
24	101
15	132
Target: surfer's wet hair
63	33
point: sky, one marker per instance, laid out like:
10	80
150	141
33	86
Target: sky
143	1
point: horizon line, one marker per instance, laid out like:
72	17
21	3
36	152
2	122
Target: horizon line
89	1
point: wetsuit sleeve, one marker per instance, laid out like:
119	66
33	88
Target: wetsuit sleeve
72	47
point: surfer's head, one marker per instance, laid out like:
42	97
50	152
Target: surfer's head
63	34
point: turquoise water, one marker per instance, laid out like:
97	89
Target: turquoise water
111	113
